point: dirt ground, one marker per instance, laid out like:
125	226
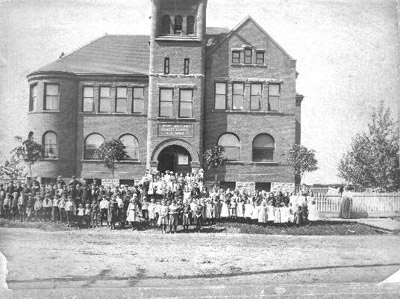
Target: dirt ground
92	258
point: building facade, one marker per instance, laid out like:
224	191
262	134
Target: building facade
170	96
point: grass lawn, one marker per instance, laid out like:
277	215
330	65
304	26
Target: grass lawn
318	228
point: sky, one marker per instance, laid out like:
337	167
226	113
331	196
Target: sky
346	51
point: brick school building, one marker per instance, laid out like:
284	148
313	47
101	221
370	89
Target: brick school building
169	97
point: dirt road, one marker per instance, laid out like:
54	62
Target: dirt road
102	258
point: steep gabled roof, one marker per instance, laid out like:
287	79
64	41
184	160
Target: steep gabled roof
240	25
109	54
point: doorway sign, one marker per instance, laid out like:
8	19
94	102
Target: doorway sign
175	130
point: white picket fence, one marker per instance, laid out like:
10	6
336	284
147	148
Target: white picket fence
363	205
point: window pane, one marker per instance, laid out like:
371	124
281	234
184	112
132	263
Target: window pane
190	25
260	58
237	102
105	104
256	89
138	92
50	145
274	89
92	143
121	92
138	105
166	95
105	91
121	105
220	102
132	146
220	88
186	95
166	25
88	92
231	153
87	104
51	103
255	102
264	140
228	140
263	155
52	89
186	110
235	57
248	56
166	109
273	103
238	88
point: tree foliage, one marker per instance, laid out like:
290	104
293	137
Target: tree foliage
111	152
29	151
373	160
13	169
302	160
213	158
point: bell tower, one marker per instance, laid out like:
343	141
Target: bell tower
176	84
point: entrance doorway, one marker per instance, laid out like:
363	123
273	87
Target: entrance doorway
174	158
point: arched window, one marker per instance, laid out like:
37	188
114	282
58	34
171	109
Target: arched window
178	25
190	25
263	148
231	144
50	145
132	146
165	25
92	143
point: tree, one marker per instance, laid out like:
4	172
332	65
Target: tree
373	161
213	158
13	169
28	151
111	152
302	160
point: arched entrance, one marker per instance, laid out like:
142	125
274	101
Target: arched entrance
174	158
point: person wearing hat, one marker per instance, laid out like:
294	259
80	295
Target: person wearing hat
112	212
70	209
173	211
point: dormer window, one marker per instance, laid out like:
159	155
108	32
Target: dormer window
190	25
166	25
178	25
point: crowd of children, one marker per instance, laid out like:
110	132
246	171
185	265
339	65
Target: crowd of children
164	200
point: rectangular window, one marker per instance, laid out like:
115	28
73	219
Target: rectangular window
166	102
166	65
260	58
186	103
237	96
88	99
121	101
33	98
255	96
248	56
138	100
235	56
274	91
186	66
220	95
105	99
51	97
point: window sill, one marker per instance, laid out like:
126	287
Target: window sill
247	112
176	119
112	114
178	38
265	163
120	162
44	111
249	65
235	162
49	159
